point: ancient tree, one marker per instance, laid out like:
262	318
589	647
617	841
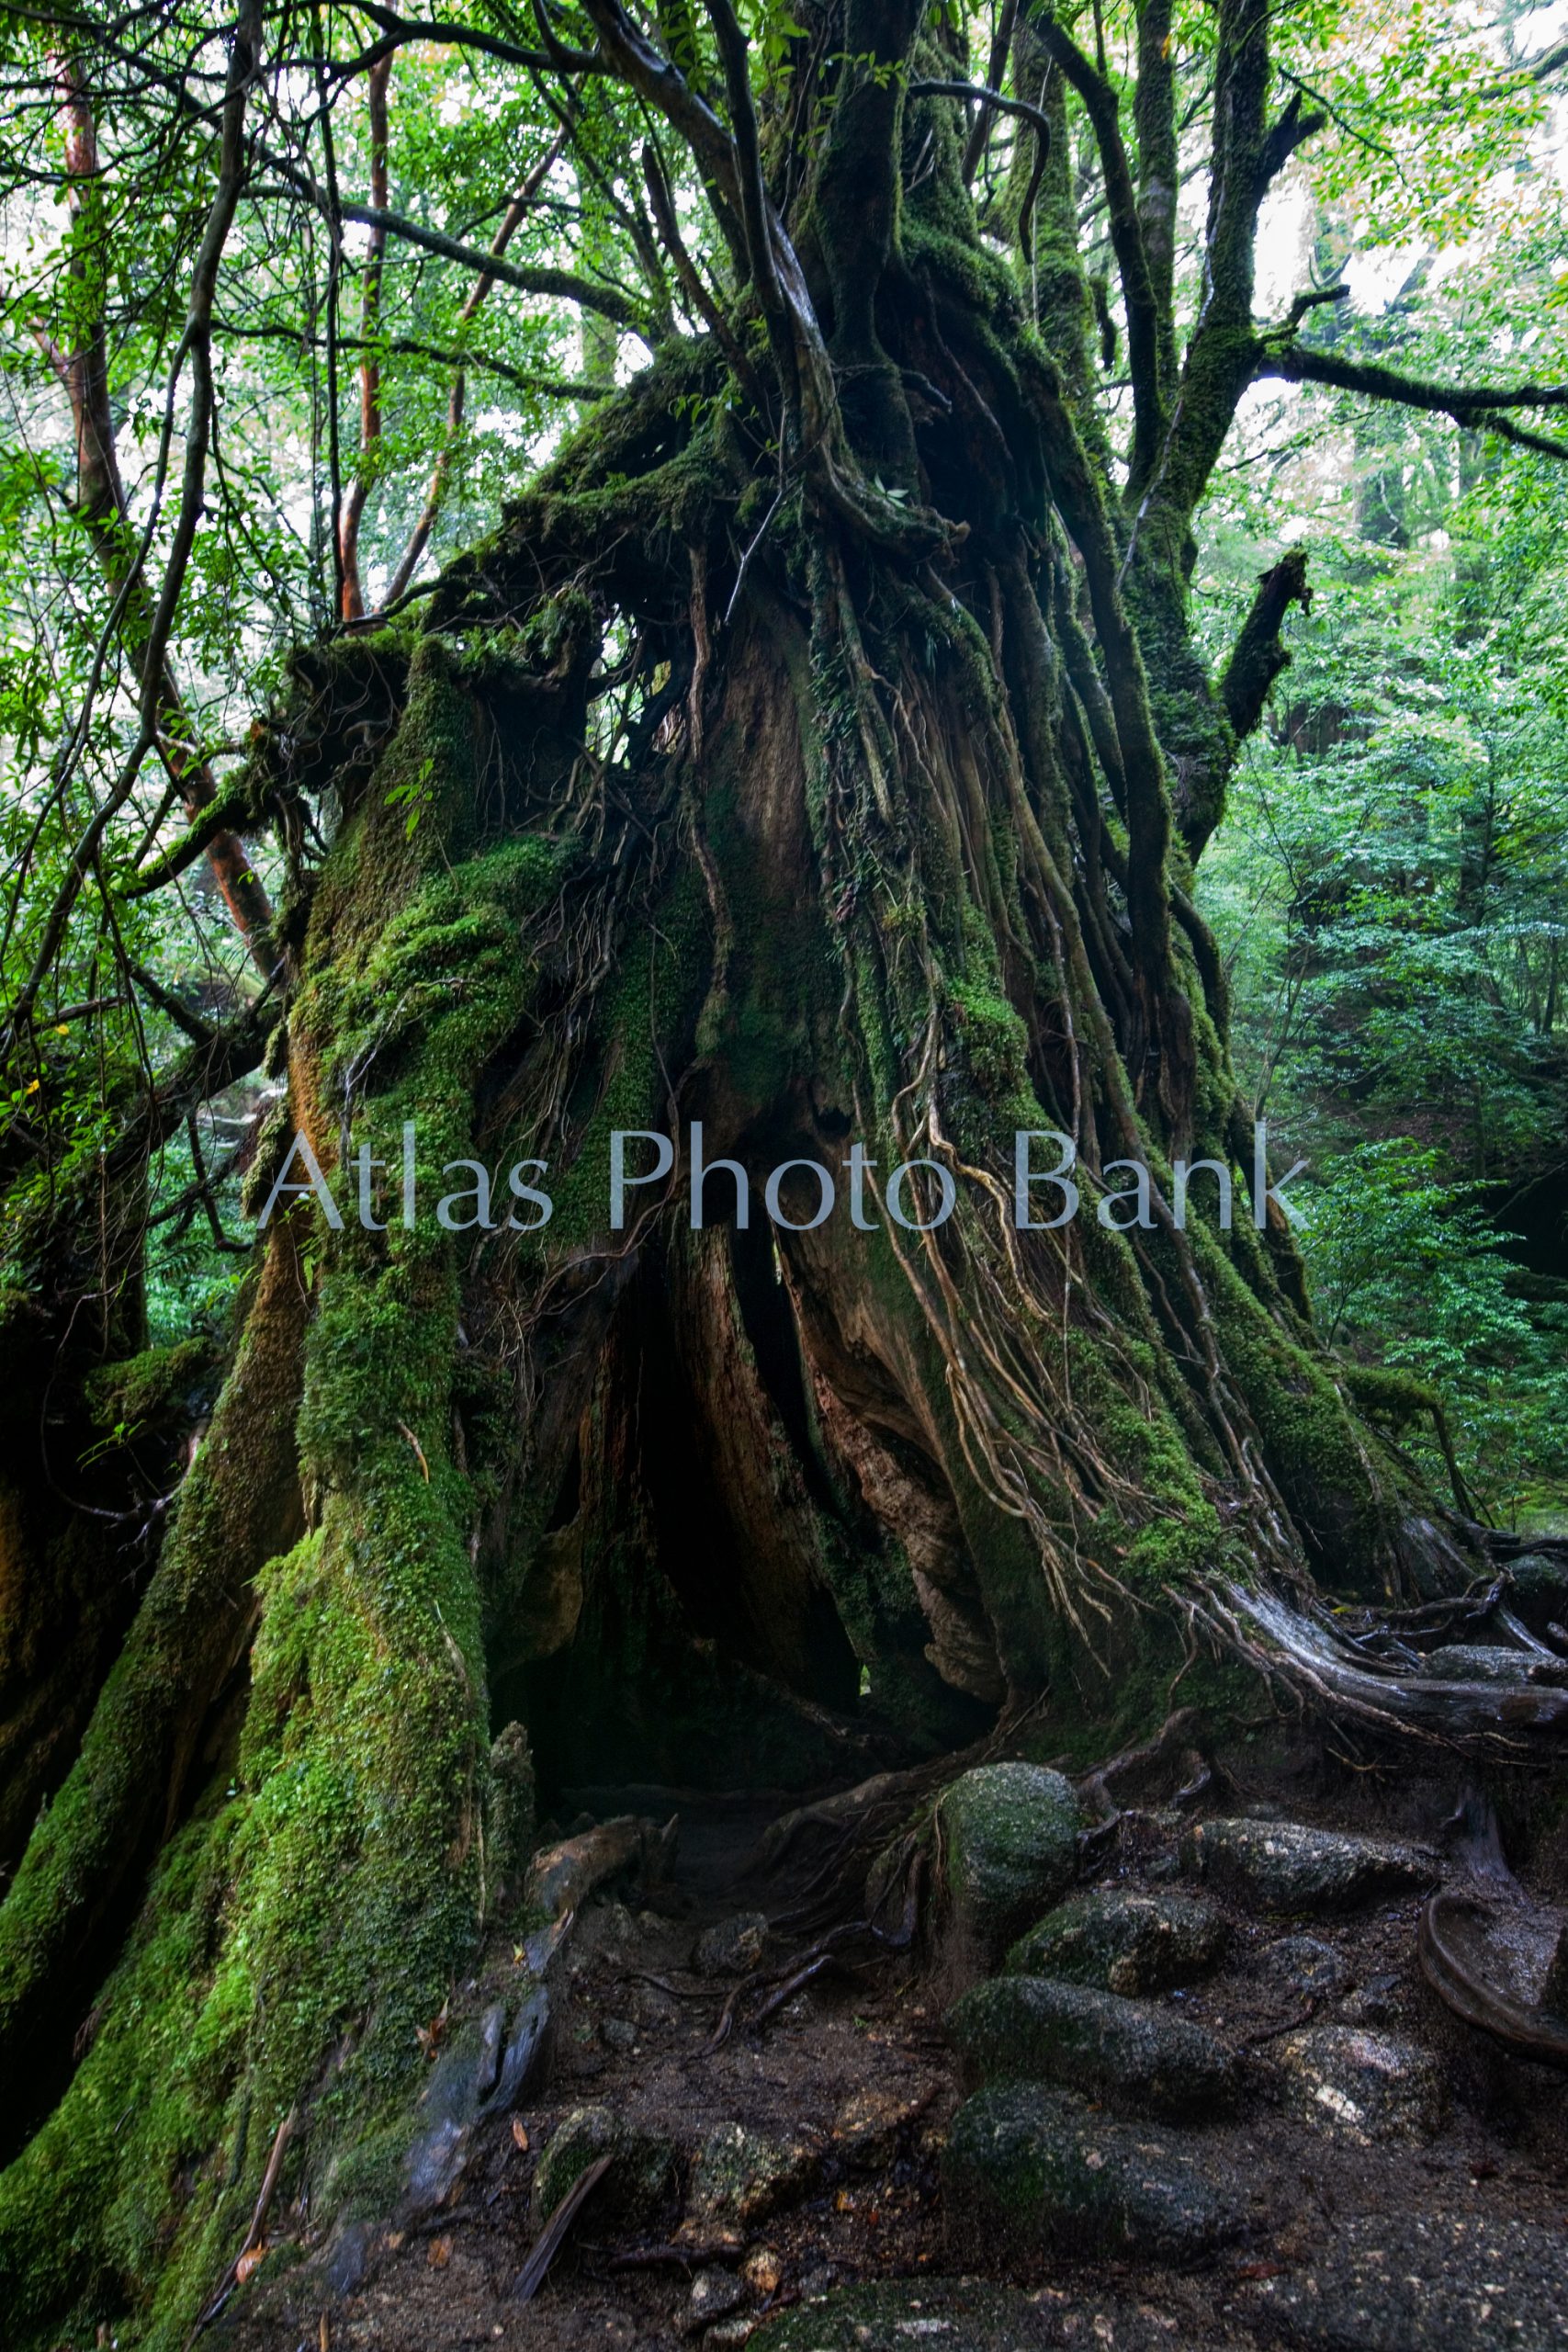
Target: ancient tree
817	748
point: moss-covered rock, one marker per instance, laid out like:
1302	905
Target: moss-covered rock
1538	1590
1123	1941
642	2172
739	2177
1134	2057
1009	1839
1024	2169
1285	1866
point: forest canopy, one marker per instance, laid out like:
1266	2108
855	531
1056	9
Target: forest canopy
865	575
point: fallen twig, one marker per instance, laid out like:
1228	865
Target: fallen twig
253	2235
547	2245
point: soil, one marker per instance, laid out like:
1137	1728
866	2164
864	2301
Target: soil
634	2029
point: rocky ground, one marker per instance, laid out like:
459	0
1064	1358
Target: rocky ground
1173	2079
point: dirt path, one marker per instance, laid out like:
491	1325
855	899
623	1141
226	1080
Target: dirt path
844	2100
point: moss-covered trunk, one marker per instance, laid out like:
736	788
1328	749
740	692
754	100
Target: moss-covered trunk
828	809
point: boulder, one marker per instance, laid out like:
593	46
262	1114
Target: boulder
1024	2169
638	2182
1398	2282
1285	1866
1538	1591
1123	1941
1136	2058
1302	1964
1009	1837
739	2176
731	1947
1359	2085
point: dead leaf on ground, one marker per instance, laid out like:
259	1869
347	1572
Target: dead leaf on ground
440	2253
519	2132
247	2263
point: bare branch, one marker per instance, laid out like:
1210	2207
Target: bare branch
563	285
353	598
516	212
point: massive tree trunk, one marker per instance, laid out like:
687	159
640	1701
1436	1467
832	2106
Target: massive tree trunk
800	757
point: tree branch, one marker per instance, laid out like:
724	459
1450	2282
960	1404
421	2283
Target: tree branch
996	65
445	354
1126	242
400	30
516	212
1292	130
100	506
1159	167
1477	410
1258	657
992	101
353	597
689	278
563	285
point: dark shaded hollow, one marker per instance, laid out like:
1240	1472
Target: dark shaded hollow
712	1648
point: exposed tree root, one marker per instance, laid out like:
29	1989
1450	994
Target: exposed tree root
1306	1651
1490	1959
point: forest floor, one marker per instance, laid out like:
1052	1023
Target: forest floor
1450	2235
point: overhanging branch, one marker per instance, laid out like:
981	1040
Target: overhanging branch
562	285
1479	409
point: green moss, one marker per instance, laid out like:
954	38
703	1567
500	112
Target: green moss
150	1386
87	2213
1392	1397
331	1903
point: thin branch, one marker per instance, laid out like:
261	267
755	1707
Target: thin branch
996	67
101	508
526	380
562	285
352	593
1102	107
401	30
984	98
195	345
516	212
690	279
